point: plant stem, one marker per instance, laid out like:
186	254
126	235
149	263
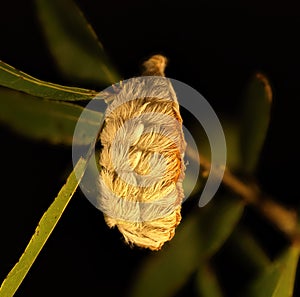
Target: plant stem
282	218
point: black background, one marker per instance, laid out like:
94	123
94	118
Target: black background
214	48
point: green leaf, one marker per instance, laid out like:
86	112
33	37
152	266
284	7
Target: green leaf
255	121
42	232
232	136
20	81
74	45
278	279
217	223
198	237
246	248
40	119
207	284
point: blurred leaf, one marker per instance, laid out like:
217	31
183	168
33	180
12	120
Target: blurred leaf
232	136
207	282
40	119
18	80
246	248
255	121
189	185
42	232
74	45
198	237
217	223
193	180
278	279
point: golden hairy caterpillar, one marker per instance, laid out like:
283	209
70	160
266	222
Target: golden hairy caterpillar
141	159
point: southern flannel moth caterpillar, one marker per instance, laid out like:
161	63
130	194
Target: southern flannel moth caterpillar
141	159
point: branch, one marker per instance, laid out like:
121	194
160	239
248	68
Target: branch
282	218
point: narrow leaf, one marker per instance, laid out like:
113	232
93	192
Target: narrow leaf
218	222
74	45
245	247
45	120
42	232
279	278
287	280
18	80
232	136
207	282
198	237
255	121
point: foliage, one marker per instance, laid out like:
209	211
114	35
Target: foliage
45	111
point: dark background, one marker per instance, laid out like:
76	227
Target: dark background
212	47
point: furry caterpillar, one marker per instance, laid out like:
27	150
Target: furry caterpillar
141	159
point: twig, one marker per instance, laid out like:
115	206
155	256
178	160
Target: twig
282	218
